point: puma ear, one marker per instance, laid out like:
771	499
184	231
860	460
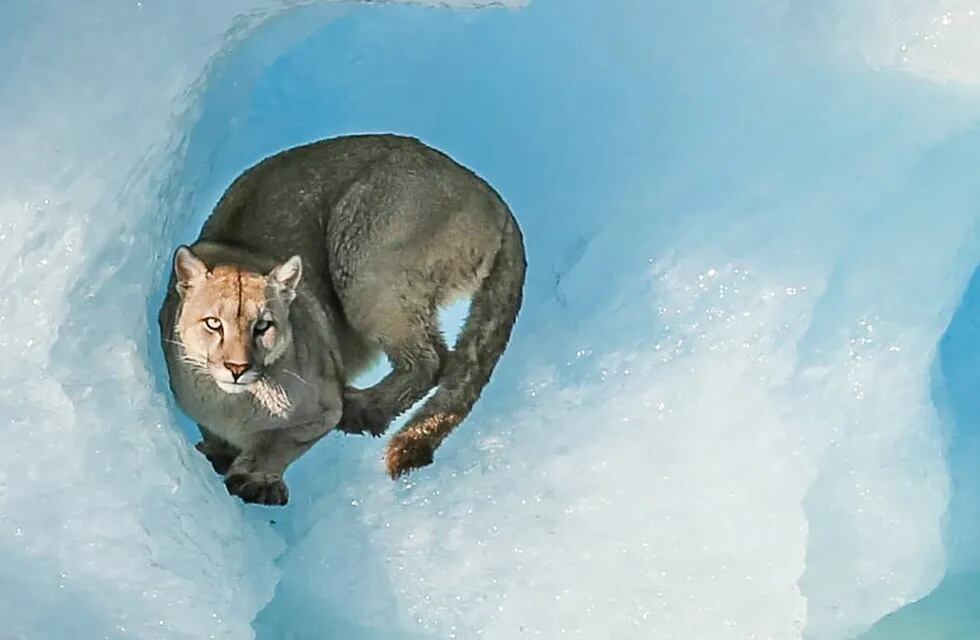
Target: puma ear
287	276
188	267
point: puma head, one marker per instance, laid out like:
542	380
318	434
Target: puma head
233	322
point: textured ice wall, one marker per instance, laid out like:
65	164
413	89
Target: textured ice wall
716	417
935	40
959	378
110	526
745	245
948	613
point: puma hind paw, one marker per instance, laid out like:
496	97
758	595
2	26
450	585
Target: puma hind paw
407	451
258	487
362	414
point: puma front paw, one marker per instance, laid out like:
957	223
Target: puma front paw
363	415
258	487
407	451
220	455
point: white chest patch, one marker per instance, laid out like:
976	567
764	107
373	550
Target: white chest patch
272	397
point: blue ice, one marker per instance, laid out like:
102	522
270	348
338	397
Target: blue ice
739	402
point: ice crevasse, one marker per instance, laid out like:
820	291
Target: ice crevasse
739	402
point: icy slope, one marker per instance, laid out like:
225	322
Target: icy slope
749	225
110	526
747	238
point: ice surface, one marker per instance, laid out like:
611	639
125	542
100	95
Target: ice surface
936	40
110	526
722	414
948	613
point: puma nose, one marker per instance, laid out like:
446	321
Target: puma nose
237	369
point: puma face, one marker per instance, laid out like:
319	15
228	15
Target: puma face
233	323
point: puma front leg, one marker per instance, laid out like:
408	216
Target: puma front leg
256	475
219	452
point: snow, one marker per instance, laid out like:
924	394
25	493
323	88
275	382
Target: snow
737	403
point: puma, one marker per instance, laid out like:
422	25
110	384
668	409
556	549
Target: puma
313	263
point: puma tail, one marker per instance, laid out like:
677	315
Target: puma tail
481	342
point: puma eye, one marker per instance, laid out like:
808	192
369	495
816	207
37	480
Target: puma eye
262	326
213	324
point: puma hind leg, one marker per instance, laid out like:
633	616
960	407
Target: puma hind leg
416	350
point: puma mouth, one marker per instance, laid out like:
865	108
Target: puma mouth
233	387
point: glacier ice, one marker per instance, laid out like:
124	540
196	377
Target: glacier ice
731	408
108	522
